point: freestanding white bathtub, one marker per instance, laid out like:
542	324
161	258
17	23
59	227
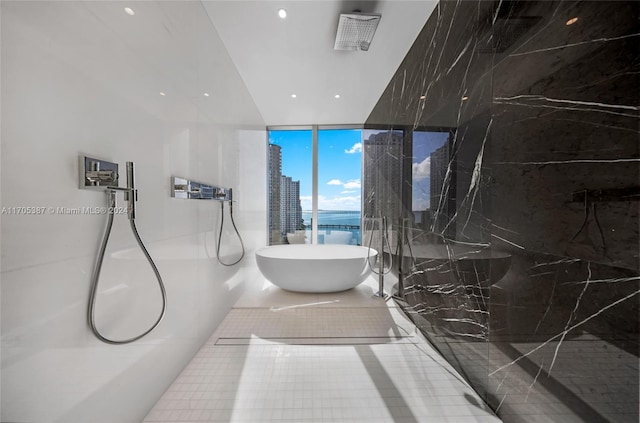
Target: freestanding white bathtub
315	267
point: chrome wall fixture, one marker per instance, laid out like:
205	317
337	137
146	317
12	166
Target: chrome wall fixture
191	190
103	175
97	174
187	189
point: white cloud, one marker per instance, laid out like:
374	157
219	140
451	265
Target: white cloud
422	170
348	191
305	202
356	148
339	203
334	203
354	183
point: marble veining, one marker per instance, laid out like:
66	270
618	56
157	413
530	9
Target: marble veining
599	40
543	168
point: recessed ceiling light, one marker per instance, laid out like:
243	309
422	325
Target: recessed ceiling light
129	11
206	94
422	97
293	96
572	21
162	94
337	96
282	13
465	98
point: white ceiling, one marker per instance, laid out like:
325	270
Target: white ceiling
279	57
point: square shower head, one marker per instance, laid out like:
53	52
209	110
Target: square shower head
355	31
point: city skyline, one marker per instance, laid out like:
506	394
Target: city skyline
339	166
340	175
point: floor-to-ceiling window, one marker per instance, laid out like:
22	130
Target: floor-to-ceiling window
290	186
339	186
319	192
315	179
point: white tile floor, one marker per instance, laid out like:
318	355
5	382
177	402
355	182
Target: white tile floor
345	357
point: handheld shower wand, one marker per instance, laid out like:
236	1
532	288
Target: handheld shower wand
233	223
132	193
188	189
131	196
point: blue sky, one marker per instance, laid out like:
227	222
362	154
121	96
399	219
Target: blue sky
339	165
424	143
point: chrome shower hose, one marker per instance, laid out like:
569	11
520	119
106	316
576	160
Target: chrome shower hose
220	236
96	277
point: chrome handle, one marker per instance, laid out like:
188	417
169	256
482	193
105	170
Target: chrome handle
98	176
189	189
96	173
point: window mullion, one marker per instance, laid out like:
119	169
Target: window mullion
314	184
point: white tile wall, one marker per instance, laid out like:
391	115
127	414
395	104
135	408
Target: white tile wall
85	78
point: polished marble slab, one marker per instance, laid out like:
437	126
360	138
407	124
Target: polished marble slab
543	167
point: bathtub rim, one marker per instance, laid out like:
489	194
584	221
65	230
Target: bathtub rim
371	252
313	272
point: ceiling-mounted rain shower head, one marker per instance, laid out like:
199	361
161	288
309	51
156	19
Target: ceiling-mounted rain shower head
355	31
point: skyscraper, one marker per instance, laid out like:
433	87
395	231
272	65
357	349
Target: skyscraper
275	172
382	185
290	208
285	210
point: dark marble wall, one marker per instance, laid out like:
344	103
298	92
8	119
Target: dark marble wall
529	281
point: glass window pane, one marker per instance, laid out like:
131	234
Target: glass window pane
430	161
290	190
383	183
339	186
383	160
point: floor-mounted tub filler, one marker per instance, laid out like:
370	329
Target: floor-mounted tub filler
316	268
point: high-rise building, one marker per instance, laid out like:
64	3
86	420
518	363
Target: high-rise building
285	210
290	207
275	172
382	186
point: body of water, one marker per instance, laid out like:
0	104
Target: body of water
333	226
